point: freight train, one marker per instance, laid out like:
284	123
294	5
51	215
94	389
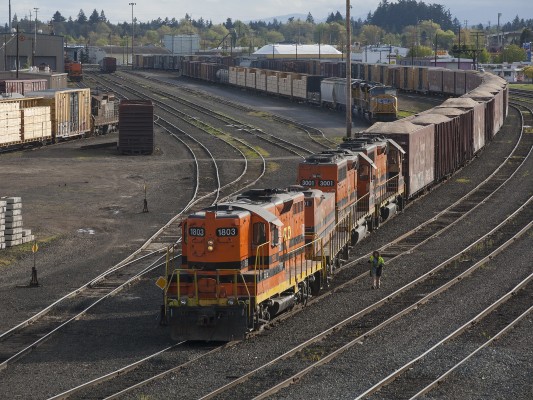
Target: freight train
50	115
246	260
373	100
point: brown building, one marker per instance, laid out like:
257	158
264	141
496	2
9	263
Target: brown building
33	50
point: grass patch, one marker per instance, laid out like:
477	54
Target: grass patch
262	151
272	167
462	180
261	114
521	86
11	254
405	114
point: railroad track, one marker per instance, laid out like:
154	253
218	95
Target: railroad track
446	272
253	169
217	119
29	334
314	134
294	364
413	379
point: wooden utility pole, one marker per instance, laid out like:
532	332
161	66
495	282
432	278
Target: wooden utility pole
348	73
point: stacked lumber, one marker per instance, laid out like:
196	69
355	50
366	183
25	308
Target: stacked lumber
10	123
37	123
12	233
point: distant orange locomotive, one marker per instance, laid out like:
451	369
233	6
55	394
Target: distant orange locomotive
249	259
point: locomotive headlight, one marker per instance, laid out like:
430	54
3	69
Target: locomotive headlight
231	301
183	301
210	245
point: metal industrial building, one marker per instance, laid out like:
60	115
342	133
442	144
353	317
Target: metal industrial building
33	50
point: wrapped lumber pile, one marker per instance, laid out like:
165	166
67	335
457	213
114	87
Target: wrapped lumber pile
37	123
10	123
11	232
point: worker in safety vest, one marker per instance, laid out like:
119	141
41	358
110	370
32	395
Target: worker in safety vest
376	267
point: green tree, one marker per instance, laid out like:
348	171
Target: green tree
420	51
528	72
371	34
94	18
511	53
310	19
82	18
57	17
526	36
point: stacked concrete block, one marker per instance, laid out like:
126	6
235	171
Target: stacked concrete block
14	234
2	224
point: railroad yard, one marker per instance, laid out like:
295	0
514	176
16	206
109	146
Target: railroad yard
84	203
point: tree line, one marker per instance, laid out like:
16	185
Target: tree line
407	23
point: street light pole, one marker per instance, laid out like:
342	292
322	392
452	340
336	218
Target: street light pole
35	36
348	73
132	32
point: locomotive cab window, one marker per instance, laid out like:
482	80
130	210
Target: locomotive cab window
259	233
275	235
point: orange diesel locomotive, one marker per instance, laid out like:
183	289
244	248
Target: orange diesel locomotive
243	262
249	259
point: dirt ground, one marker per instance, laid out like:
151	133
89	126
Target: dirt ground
84	206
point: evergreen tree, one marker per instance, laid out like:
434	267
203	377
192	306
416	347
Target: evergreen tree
57	17
102	16
310	19
94	18
82	18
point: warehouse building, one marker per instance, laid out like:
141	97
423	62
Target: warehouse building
303	51
34	50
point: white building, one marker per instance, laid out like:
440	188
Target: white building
298	51
382	54
182	44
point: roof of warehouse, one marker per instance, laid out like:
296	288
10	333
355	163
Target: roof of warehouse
282	49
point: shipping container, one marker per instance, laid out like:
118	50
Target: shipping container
435	80
136	127
414	139
70	110
421	83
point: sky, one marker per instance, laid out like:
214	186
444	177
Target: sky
117	11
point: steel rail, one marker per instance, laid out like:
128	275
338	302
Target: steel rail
441	378
425	299
77	316
449	337
378	304
245	108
